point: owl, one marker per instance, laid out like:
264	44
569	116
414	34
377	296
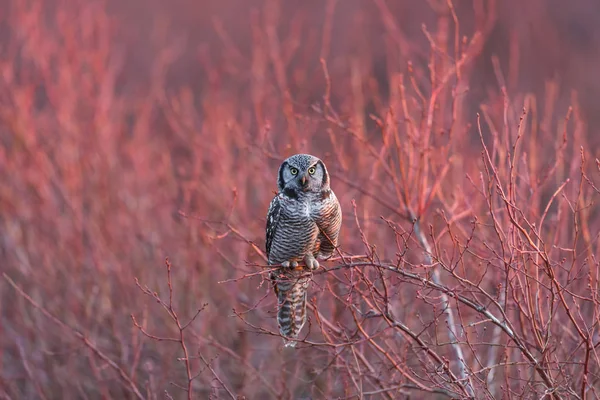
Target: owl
303	225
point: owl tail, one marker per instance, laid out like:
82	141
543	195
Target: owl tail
291	288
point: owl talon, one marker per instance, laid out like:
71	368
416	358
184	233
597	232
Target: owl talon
289	264
311	262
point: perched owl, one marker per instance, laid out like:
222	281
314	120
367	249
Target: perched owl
303	224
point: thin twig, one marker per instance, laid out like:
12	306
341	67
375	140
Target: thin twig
132	386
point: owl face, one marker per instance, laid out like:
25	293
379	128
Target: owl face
302	173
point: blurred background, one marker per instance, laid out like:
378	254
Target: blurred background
118	116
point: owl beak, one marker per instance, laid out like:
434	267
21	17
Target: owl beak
303	180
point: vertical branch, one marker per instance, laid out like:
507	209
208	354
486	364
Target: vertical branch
272	17
181	327
436	277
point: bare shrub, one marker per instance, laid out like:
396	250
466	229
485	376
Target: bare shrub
460	144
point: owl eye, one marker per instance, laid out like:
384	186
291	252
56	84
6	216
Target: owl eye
294	171
312	170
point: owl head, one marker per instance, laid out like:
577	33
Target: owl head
302	173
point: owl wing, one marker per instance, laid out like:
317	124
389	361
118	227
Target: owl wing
273	216
329	224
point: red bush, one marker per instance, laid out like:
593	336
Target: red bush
459	140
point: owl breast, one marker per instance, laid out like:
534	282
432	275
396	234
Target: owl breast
296	233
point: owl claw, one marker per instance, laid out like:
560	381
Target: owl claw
289	264
311	262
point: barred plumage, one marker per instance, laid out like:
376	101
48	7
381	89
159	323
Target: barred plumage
303	224
291	286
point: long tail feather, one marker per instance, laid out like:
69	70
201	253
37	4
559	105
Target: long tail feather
291	288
